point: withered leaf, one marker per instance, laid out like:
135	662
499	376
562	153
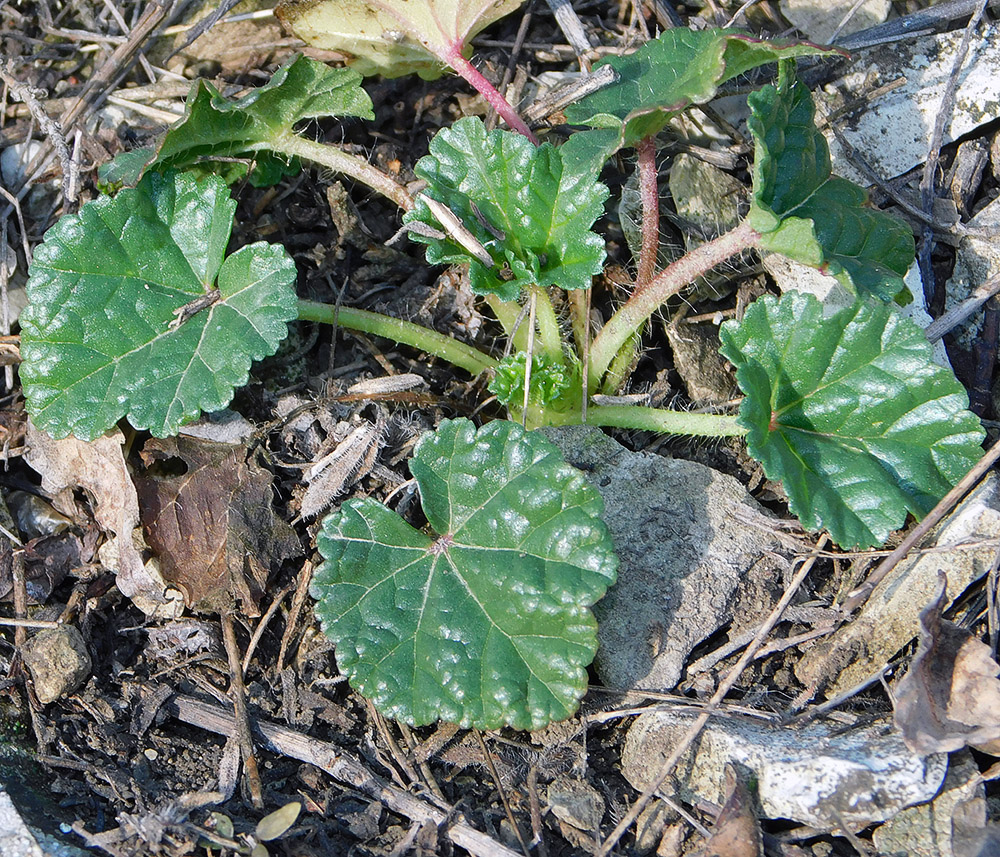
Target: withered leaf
737	831
207	514
950	698
98	467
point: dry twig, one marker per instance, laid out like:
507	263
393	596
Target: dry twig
344	768
695	729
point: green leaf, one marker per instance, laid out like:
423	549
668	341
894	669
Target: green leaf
106	333
393	37
487	623
250	127
124	169
670	73
527	209
851	413
552	382
805	212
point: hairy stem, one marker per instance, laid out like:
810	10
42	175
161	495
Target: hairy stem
579	317
508	313
647	299
654	419
623	364
486	89
649	196
342	162
548	325
472	360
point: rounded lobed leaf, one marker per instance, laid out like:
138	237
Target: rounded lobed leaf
528	209
851	413
668	74
134	311
216	129
805	212
487	623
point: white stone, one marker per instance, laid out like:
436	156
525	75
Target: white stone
892	130
15	838
808	775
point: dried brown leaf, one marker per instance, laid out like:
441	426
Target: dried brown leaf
98	467
950	698
737	831
207	513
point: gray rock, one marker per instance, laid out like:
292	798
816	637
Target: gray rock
650	824
29	815
576	802
927	830
708	376
808	775
58	661
976	260
15	838
711	201
684	554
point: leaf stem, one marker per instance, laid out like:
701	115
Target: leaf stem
349	165
654	419
472	360
623	364
648	298
579	319
649	196
508	313
486	89
548	325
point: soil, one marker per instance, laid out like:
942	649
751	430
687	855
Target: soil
129	764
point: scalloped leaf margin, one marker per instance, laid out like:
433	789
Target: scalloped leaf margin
850	413
668	74
234	136
808	214
488	622
527	208
124	319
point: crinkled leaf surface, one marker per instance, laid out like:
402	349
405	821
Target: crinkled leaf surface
529	209
850	413
253	126
393	37
805	212
486	623
100	338
670	73
552	382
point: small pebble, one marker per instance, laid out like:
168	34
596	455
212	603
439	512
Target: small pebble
576	803
58	661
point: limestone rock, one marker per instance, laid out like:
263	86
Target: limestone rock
576	802
15	838
684	552
808	775
890	618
